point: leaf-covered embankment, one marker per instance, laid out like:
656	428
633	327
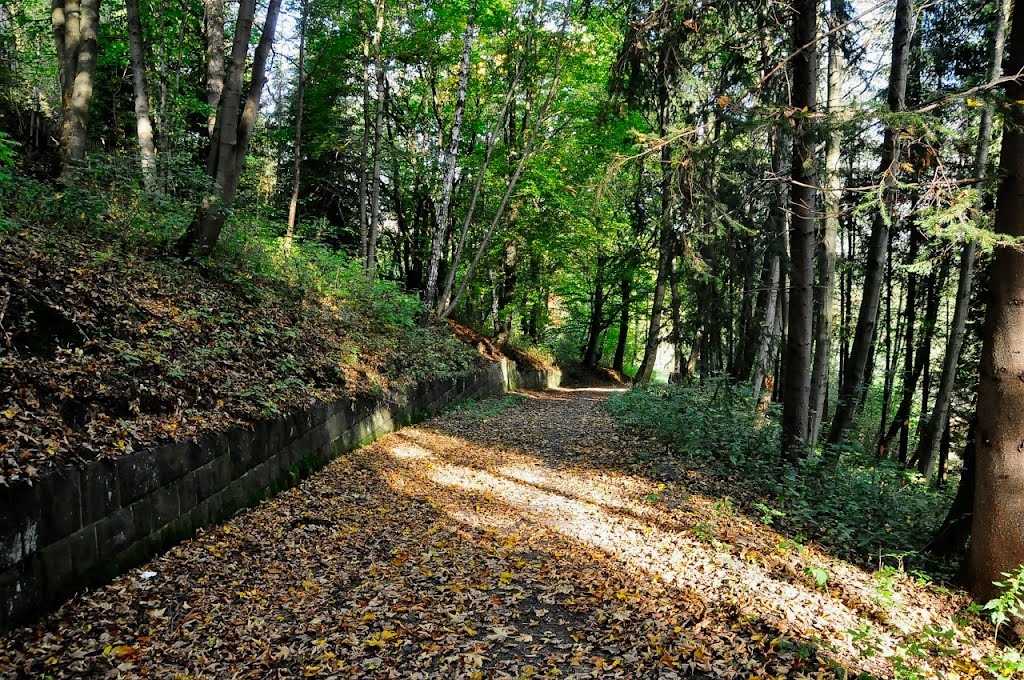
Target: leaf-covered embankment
107	344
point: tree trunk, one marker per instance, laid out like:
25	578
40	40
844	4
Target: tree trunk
596	315
300	94
232	131
373	229
364	144
77	40
665	249
447	306
147	147
997	533
832	195
214	59
776	224
939	418
618	363
66	26
450	161
956	527
867	318
902	419
797	361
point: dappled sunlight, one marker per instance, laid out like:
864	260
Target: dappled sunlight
675	558
409	452
701	547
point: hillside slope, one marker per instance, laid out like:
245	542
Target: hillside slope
107	344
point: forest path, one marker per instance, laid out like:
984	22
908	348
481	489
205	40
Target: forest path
523	536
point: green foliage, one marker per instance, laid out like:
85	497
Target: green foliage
7	155
1009	605
819	575
861	509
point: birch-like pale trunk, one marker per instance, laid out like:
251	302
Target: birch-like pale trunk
214	29
444	299
370	265
143	124
450	161
300	94
771	327
525	155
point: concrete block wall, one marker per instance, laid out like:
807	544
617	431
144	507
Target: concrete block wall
79	527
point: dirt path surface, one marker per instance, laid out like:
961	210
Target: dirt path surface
523	537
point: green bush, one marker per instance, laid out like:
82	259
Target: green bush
864	510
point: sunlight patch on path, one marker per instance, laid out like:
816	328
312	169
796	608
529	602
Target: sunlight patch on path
602	511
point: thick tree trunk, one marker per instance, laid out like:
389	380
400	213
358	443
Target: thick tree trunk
373	229
450	161
300	95
857	375
803	194
66	23
214	27
147	147
939	419
232	131
832	195
997	533
77	41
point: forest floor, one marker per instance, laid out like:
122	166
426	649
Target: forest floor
522	536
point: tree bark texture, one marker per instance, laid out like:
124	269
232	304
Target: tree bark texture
803	194
997	532
144	126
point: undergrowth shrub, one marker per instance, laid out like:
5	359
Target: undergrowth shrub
865	510
106	203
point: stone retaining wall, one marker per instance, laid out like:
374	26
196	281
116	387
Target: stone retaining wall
79	527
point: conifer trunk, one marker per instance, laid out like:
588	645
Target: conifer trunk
832	196
858	377
997	533
803	194
929	444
